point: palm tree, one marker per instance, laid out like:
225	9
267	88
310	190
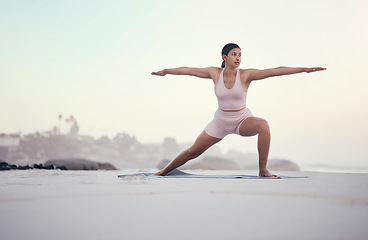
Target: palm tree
60	118
67	120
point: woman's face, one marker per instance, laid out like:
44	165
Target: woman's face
233	58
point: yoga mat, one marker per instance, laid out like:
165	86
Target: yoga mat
180	174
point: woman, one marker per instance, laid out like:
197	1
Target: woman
232	116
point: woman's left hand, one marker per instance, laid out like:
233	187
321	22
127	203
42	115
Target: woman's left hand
159	73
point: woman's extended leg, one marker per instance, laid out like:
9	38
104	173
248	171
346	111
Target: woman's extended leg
202	143
253	126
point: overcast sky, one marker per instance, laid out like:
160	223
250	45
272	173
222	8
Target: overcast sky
93	59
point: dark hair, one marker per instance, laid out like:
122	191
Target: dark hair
226	49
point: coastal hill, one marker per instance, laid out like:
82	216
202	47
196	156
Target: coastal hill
122	151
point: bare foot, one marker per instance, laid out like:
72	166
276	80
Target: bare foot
266	173
159	174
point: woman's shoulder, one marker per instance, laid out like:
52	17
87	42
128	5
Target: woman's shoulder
214	73
245	74
246	70
214	69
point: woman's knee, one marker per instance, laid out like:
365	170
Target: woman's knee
263	126
193	153
202	143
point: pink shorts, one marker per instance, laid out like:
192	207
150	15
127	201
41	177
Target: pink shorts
225	123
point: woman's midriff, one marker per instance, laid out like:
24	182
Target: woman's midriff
233	110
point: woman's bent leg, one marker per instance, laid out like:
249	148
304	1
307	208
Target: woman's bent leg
202	143
253	126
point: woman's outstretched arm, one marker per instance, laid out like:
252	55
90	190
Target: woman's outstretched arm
197	72
256	74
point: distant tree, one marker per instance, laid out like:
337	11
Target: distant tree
125	143
105	142
56	131
67	123
170	147
74	128
60	118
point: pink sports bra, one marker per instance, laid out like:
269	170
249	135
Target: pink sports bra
230	99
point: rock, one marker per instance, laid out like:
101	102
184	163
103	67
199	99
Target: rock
24	167
3	164
40	166
79	164
282	165
6	166
50	167
275	164
214	163
217	163
242	159
105	166
62	168
205	163
63	164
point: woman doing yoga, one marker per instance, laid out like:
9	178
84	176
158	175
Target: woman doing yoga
232	115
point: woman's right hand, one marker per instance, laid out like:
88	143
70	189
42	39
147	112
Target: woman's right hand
314	69
159	73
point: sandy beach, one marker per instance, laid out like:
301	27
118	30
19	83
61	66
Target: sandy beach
55	204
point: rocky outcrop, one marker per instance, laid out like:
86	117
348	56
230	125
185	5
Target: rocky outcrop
63	164
5	166
275	164
214	163
282	165
217	163
205	163
79	164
